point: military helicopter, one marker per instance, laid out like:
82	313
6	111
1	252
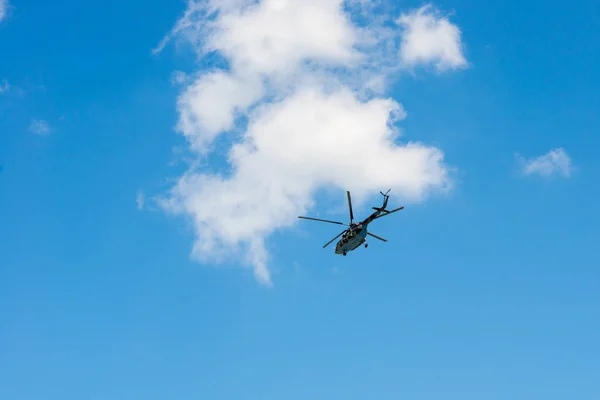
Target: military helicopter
356	234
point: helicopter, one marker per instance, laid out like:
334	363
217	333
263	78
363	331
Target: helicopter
356	234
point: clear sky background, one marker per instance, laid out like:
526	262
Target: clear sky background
112	221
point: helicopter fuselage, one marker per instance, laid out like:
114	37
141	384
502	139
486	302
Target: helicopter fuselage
352	239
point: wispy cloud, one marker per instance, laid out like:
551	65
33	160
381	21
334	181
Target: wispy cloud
140	200
555	162
39	127
4	86
304	85
178	77
3	9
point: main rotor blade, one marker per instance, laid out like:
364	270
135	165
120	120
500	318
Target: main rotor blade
324	220
328	243
389	212
376	237
350	206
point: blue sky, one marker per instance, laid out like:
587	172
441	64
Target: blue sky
489	290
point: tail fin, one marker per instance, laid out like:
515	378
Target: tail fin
385	200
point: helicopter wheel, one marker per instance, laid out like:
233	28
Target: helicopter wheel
366	245
344	253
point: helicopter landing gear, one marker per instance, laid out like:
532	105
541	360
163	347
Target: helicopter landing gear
344	253
366	245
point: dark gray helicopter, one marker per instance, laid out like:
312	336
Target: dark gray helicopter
356	234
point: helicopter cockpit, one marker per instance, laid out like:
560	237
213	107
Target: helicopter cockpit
349	235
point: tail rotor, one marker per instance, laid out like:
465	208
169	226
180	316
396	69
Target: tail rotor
385	201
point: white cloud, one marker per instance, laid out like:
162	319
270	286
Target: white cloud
294	84
556	161
431	39
208	106
39	127
275	35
